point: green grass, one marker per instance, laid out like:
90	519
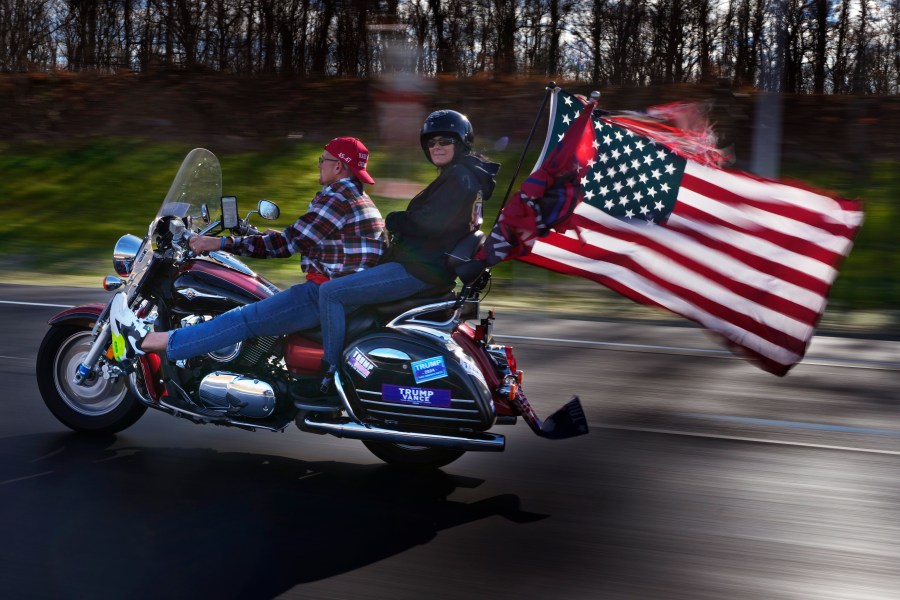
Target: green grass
64	207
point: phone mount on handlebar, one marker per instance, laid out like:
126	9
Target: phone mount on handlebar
230	218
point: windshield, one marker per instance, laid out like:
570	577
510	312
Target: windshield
199	181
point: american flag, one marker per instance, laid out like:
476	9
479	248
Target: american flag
749	258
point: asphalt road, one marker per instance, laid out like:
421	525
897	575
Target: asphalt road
702	478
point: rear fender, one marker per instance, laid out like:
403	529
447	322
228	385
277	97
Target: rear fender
464	336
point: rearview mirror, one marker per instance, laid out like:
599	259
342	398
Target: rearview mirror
230	218
268	210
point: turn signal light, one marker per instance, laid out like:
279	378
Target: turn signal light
111	283
510	358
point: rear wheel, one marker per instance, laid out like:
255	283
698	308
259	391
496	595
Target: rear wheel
100	406
413	457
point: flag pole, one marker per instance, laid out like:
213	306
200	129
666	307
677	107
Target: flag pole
550	87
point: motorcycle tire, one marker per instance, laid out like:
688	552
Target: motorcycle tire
413	457
98	407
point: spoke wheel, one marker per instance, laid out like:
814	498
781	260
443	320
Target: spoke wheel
101	405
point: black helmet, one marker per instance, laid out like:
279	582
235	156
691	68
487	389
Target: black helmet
449	123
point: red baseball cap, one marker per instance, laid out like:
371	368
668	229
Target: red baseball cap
352	153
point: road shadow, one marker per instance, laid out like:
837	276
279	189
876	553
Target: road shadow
82	518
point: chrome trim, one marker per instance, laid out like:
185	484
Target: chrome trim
223	258
112	283
191	293
438	334
357	430
90	359
389	354
421	417
124	253
224	420
409	317
339	386
478	442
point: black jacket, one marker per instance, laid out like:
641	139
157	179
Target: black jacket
438	217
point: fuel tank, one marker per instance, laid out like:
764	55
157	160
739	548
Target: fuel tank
216	284
417	380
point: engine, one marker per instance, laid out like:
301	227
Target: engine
237	394
231	379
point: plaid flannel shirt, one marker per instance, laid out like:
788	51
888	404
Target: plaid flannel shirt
341	233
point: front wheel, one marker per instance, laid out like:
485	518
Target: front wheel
413	457
100	406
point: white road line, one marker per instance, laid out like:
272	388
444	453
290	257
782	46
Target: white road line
850	363
738	438
36	304
809	360
617	344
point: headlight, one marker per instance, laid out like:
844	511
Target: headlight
124	254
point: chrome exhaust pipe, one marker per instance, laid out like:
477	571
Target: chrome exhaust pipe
478	442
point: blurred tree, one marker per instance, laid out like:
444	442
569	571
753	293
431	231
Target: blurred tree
841	58
26	39
825	46
821	12
504	20
321	40
860	70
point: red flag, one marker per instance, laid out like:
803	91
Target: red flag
748	258
547	198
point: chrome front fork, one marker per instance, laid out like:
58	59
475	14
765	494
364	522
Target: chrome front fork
101	342
102	338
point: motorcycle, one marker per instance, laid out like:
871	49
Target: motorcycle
421	381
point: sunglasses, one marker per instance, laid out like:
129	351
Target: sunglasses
440	141
323	159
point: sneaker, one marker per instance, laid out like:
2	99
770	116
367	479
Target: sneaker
127	329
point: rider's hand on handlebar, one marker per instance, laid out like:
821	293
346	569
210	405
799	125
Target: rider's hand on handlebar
204	243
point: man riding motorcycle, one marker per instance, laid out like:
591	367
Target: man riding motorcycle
342	233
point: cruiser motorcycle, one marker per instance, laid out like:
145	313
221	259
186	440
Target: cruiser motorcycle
421	381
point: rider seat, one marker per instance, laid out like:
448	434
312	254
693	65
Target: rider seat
460	262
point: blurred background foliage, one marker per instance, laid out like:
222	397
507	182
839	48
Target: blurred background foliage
87	157
64	206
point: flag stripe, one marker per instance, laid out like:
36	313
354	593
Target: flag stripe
775	211
669	276
754	242
549	255
805	289
765	191
715	265
801	237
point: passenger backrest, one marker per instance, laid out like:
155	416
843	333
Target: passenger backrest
460	258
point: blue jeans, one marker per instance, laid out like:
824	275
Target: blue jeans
293	309
383	283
